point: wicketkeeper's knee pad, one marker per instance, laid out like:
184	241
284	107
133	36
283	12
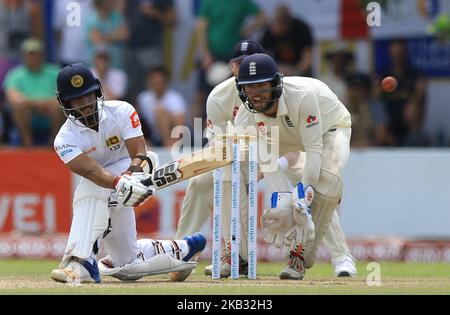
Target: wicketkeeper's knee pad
327	196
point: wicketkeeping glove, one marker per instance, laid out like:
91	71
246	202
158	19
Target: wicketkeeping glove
277	220
304	230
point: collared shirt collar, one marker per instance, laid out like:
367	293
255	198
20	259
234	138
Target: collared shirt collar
103	116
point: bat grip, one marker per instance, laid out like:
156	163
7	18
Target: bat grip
147	182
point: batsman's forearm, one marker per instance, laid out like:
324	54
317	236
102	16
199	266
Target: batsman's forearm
136	147
88	168
100	177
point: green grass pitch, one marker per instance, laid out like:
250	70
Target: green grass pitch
32	277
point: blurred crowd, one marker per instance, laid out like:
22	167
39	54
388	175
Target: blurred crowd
123	42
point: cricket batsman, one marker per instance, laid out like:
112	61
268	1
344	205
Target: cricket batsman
102	142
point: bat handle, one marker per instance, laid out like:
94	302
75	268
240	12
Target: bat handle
147	182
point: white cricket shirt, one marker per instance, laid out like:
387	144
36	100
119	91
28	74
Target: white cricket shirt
119	121
222	106
307	109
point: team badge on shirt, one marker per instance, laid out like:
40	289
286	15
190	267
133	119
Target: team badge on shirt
135	122
311	121
113	143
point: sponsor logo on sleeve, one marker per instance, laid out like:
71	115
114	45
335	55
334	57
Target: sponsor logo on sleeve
66	152
113	143
311	121
93	149
64	147
135	122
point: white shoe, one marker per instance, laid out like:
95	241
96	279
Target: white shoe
344	266
77	272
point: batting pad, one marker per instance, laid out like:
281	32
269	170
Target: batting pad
326	199
89	222
156	265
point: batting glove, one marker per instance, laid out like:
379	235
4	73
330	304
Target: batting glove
130	190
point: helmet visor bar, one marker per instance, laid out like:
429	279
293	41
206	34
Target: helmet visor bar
87	118
252	81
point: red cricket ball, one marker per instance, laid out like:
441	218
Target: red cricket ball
389	84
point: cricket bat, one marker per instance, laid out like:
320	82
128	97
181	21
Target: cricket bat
200	162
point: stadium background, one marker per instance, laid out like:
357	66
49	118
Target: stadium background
396	204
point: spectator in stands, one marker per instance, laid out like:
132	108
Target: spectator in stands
220	25
404	107
19	19
368	127
106	26
289	41
70	36
161	108
340	61
144	51
30	91
114	81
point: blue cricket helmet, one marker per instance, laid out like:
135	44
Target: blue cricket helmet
244	48
259	68
74	81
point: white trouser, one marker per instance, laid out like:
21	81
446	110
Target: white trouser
121	242
334	239
93	220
